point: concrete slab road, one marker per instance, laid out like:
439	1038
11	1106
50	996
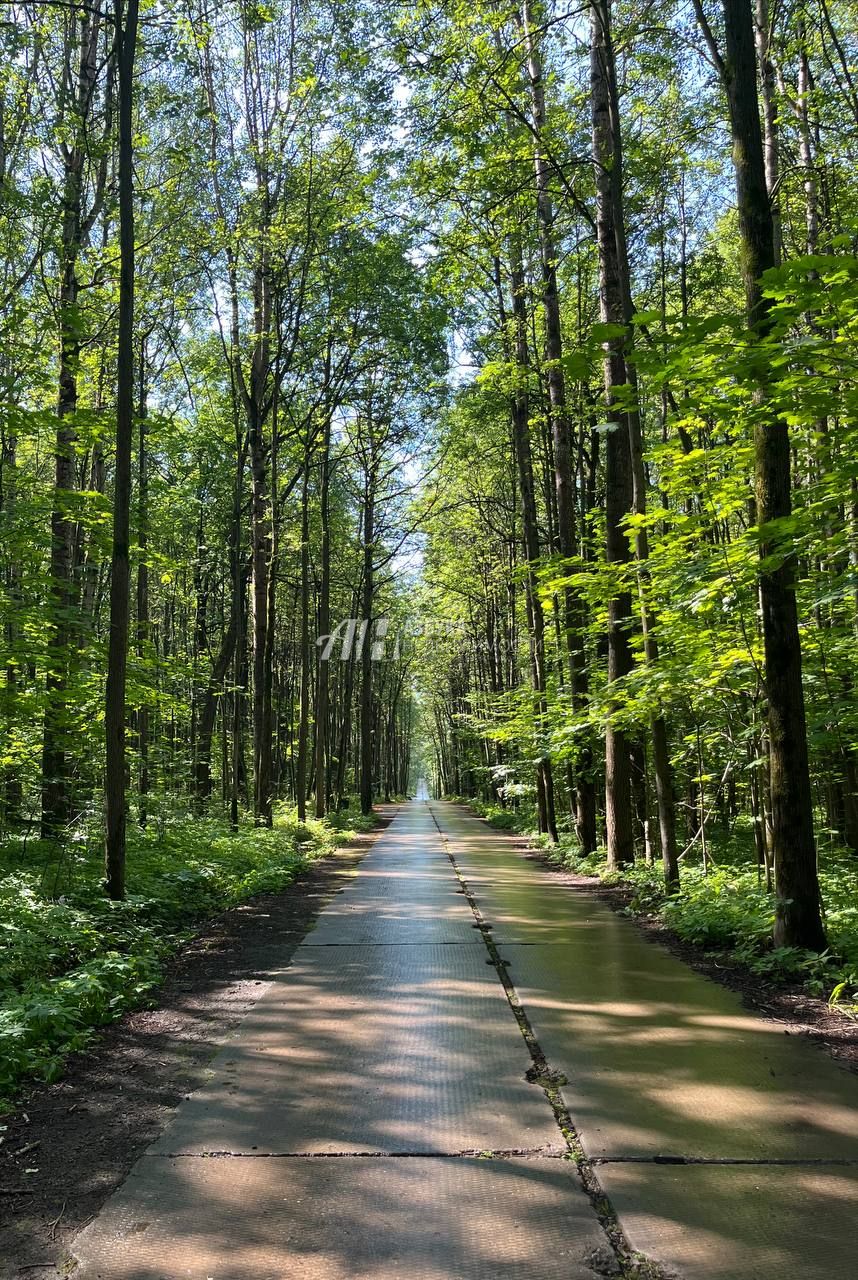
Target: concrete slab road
372	1117
728	1148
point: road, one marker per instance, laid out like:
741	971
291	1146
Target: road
412	1098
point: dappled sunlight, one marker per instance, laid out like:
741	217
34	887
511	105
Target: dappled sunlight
729	1222
659	1060
406	892
391	1033
387	1047
400	1046
372	1048
339	1219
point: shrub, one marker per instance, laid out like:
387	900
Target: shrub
72	963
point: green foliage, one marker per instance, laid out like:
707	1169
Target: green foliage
500	817
721	910
72	963
503	819
45	1021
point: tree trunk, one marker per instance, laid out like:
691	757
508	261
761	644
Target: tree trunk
366	752
346	709
530	530
771	140
798	919
208	714
260	561
304	645
238	620
618	464
55	772
585	791
117	657
13	793
662	770
142	593
323	677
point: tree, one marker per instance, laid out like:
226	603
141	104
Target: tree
798	921
120	578
607	160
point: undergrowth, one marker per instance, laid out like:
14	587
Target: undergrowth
71	960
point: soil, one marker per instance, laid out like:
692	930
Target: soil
69	1144
791	1004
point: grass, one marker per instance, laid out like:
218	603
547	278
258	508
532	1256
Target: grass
71	960
725	908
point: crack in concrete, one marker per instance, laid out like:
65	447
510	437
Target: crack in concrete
474	1153
631	1265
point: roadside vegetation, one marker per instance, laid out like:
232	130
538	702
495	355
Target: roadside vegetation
72	959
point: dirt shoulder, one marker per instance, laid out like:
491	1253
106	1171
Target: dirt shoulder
70	1144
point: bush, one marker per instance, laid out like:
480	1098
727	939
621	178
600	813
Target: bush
720	909
503	819
71	963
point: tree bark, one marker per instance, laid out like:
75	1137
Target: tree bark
261	562
55	771
208	713
530	531
13	792
798	920
618	463
572	622
120	581
323	677
368	594
142	591
304	645
771	137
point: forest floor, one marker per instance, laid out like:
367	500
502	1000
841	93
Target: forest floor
790	1003
69	1144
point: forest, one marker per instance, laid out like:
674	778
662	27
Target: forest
452	390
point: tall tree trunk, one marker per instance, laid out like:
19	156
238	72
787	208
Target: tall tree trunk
12	784
237	578
55	770
304	644
585	790
366	746
618	464
811	194
530	530
142	591
323	677
208	713
260	534
798	920
271	627
120	581
771	138
662	770
346	711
